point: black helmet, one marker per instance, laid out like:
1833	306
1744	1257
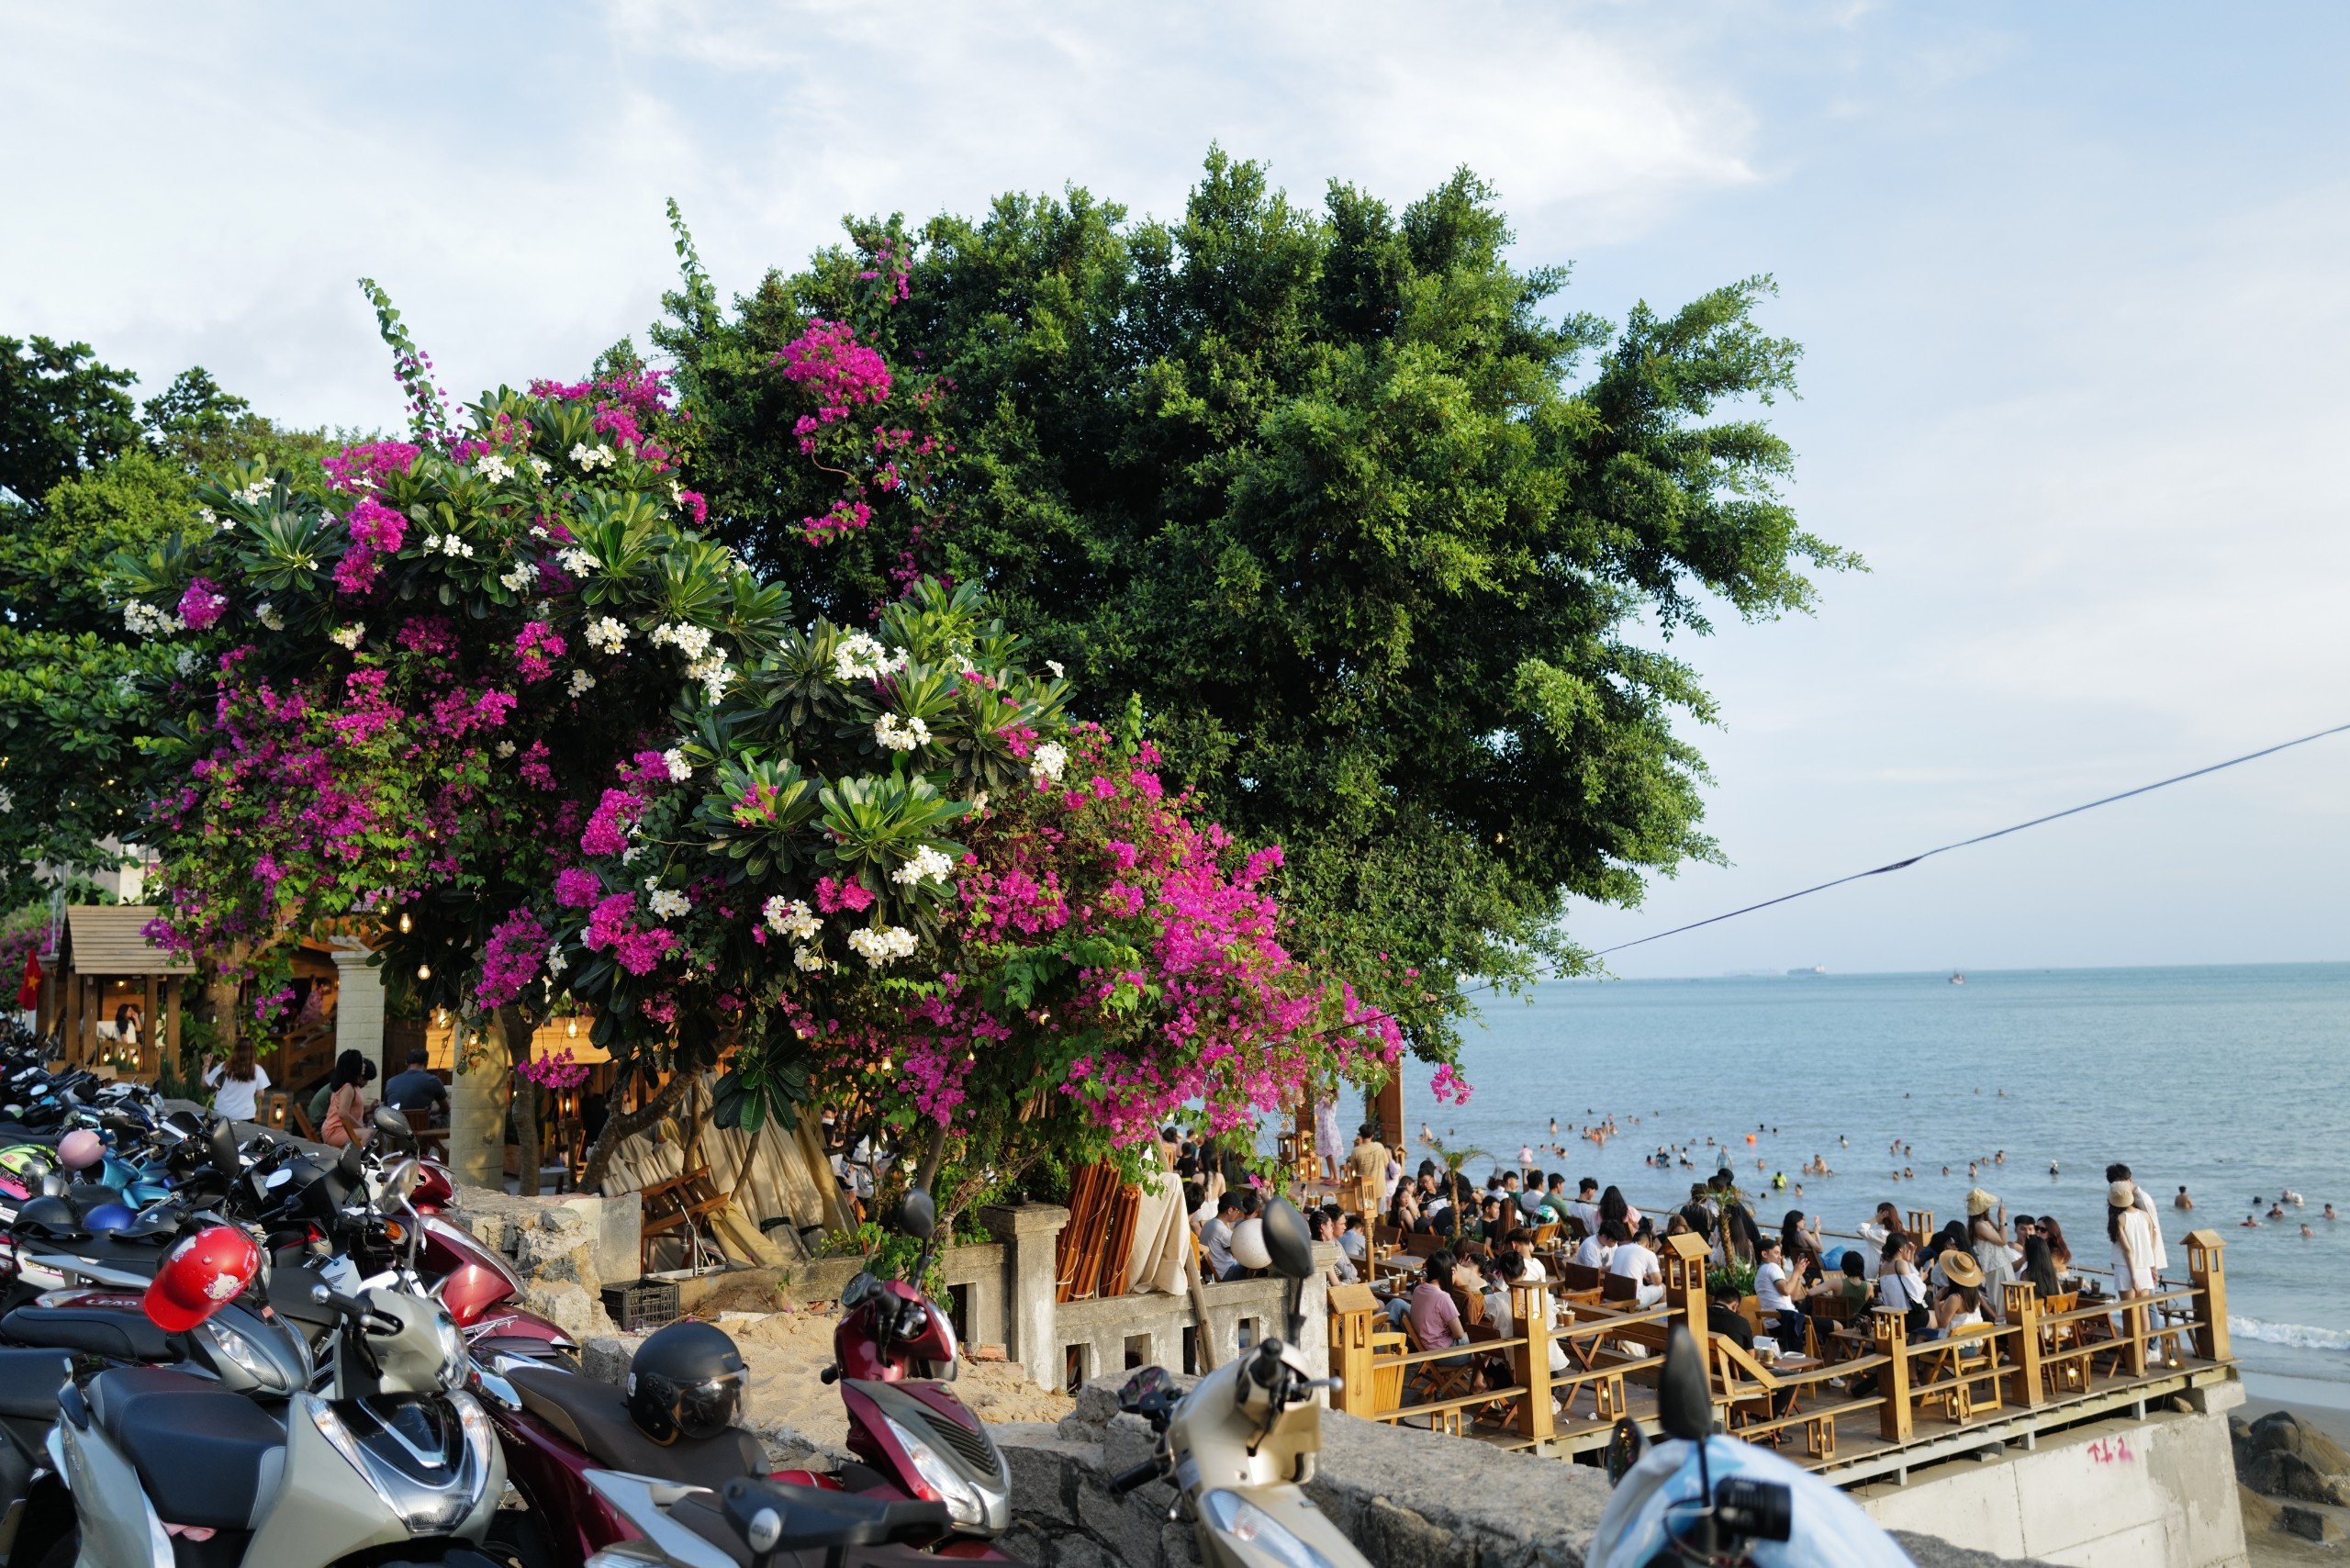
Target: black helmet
54	1217
686	1381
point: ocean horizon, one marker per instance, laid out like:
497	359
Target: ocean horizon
2228	1079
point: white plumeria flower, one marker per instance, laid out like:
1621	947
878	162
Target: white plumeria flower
205	516
576	561
582	683
253	492
674	759
606	635
1045	764
184	661
677	495
670	903
145	620
900	735
791	917
685	636
266	613
348	637
928	864
808	958
861	658
582	455
8	800
504	748
711	671
555	960
516	580
491	466
882	944
1055	666
628	856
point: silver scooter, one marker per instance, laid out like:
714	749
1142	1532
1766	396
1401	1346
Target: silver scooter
394	1464
1241	1445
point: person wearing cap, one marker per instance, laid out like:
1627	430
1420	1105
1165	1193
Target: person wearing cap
1986	1237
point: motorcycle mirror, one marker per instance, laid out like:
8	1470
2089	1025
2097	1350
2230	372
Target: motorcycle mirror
1684	1405
917	1216
398	1183
354	1163
1287	1240
392	1125
1141	1387
224	1149
1624	1445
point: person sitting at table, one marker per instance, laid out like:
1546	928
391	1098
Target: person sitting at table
1900	1286
1502	1271
1435	1321
1853	1280
1778	1293
2040	1267
1585	1210
1521	1242
1723	1317
418	1088
1961	1305
1635	1261
1799	1246
2058	1251
1601	1244
1613	1205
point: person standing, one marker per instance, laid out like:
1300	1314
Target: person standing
237	1084
1986	1238
1368	1165
1325	1136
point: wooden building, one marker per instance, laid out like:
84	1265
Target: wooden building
97	960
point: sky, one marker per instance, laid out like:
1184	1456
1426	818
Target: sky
2067	279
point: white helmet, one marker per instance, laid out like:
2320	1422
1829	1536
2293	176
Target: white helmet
1248	1243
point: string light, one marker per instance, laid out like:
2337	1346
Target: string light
424	972
407	924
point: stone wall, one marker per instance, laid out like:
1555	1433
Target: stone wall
565	1248
2121	1494
1407	1499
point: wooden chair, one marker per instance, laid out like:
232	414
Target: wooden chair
432	1141
682	1203
300	1115
1620	1287
1827	1313
2069	1375
1969	1357
1436	1381
1581	1277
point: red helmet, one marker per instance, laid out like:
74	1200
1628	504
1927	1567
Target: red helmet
200	1273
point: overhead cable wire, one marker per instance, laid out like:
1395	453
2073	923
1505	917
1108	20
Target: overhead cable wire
1979	838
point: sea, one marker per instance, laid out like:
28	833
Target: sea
2233	1081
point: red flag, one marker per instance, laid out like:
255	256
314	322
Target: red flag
28	992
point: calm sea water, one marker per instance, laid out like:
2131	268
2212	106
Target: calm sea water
2234	1082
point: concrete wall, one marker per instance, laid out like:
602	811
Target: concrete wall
2116	1494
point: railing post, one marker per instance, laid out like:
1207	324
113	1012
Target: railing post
2022	1304
1893	1417
1531	1305
1921	1225
2136	1313
1354	1312
2210	1280
1685	1258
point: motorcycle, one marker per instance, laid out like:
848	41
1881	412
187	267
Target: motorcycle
1241	1445
394	1462
1701	1500
761	1524
894	1353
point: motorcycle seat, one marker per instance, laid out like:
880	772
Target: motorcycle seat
126	1335
209	1458
814	1519
29	1382
594	1416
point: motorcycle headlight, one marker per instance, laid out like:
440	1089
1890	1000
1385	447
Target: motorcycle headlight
248	1357
1244	1521
964	1504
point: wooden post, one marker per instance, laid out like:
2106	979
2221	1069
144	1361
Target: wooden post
2210	1280
1389	1105
1921	1225
150	1020
2022	1306
1685	1258
1892	1334
2135	1313
1531	1305
170	1033
1354	1313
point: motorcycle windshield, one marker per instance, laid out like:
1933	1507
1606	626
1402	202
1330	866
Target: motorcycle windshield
1830	1530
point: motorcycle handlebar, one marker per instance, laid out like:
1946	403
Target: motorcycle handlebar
1141	1474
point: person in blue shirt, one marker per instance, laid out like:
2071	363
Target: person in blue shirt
417	1088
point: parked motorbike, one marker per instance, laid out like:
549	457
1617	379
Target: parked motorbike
1241	1445
394	1462
761	1524
1700	1500
894	1353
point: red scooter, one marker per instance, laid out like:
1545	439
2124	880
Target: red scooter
916	1438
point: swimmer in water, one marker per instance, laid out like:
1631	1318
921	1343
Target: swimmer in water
2249	1224
2307	1234
2052	1168
2329	1210
2182	1200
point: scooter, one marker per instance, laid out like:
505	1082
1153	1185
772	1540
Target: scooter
1241	1445
396	1462
894	1354
761	1524
1699	1500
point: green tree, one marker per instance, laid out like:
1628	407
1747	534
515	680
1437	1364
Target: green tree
1380	540
61	411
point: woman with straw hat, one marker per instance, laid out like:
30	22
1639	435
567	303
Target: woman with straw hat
1987	1238
1962	1304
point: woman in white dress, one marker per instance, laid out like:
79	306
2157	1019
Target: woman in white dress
1986	1237
2137	1258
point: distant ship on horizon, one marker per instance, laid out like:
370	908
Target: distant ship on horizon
1814	969
1956	977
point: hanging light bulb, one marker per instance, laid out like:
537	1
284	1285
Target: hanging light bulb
424	972
407	924
574	1030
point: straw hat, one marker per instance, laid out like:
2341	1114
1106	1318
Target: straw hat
1979	1201
1961	1269
2123	1193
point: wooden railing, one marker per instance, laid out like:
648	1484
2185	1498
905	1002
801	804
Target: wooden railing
2037	1355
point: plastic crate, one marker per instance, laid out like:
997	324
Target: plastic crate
642	1306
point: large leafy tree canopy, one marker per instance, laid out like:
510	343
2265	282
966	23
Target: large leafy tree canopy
1378	538
85	471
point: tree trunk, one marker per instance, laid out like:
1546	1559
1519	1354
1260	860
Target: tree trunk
220	993
926	1172
514	1029
620	1126
478	1115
